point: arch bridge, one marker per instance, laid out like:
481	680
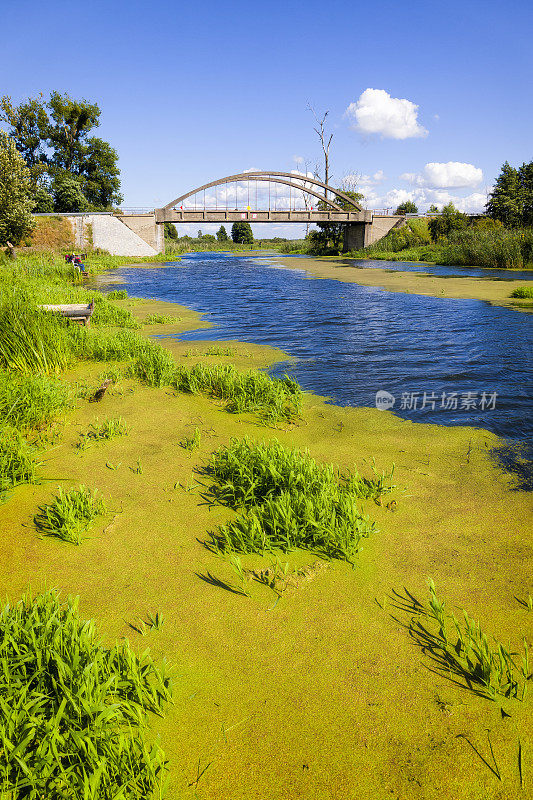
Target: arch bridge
255	197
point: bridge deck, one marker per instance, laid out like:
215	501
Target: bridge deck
237	215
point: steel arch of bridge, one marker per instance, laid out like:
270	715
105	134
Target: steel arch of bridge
279	178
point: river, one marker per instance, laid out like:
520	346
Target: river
444	361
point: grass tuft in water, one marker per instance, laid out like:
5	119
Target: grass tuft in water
70	514
271	398
192	442
287	500
460	648
161	319
73	714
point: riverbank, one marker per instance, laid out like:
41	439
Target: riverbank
325	692
495	292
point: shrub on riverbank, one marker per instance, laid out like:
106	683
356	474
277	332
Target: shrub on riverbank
288	501
74	714
523	292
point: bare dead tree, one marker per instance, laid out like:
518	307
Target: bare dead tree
325	139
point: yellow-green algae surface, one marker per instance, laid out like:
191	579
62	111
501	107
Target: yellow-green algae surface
324	694
496	292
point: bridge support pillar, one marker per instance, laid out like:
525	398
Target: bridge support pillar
356	236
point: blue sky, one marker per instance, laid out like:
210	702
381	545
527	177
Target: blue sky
191	92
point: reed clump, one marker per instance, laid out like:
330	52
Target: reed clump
271	398
287	500
70	514
73	714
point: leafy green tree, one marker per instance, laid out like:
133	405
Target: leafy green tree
241	233
16	193
433	209
29	130
525	180
449	220
99	175
222	235
70	123
68	195
199	235
54	138
170	230
407	207
505	202
44	202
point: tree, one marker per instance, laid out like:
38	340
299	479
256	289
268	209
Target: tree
29	130
407	207
170	230
99	175
449	220
241	233
68	195
44	202
199	235
525	180
54	139
70	123
504	202
16	193
222	235
433	209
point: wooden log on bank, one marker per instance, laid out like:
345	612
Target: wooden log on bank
78	312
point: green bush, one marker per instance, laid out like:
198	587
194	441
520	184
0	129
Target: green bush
73	713
523	292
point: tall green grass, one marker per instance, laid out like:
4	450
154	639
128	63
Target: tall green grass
31	401
486	247
288	500
73	714
17	459
34	341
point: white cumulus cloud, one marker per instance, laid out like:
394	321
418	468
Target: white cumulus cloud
376	112
448	175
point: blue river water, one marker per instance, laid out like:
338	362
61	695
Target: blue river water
450	362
